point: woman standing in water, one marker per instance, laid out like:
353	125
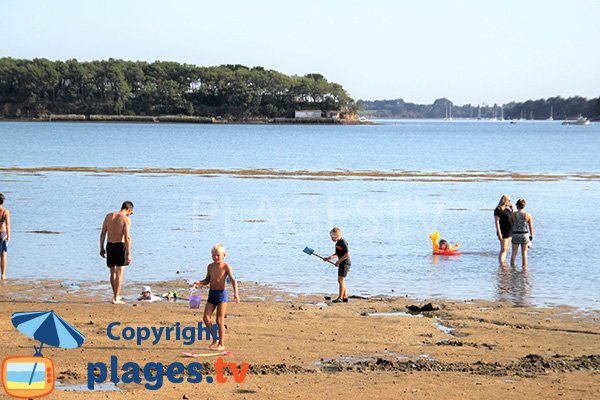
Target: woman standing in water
503	222
4	235
521	235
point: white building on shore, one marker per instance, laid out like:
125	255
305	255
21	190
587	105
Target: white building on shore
307	114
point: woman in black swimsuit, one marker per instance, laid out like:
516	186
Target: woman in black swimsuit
503	222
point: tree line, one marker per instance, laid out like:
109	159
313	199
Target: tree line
557	107
38	87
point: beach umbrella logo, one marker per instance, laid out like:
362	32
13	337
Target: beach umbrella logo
32	377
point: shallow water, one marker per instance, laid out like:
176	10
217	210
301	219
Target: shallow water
265	223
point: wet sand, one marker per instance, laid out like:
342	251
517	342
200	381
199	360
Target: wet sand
304	347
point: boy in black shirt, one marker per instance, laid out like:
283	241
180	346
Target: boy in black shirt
343	262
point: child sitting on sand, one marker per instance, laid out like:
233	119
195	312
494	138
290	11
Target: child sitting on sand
343	263
216	276
147	295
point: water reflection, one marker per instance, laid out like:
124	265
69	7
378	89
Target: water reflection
436	259
513	286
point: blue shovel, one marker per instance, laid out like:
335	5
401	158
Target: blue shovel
311	252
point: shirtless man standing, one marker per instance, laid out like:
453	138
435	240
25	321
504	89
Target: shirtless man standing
4	235
118	248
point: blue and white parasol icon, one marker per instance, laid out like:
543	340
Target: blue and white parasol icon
49	329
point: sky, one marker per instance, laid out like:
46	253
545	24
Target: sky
469	51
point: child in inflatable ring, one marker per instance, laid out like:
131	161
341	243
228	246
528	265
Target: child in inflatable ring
444	245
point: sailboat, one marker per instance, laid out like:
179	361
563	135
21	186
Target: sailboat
551	118
515	120
448	112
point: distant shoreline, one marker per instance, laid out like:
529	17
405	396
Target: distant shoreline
168	119
186	120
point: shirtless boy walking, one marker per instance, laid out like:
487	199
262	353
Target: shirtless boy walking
118	249
216	277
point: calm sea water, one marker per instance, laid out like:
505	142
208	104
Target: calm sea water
265	223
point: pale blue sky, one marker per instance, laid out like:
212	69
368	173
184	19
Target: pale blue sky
468	51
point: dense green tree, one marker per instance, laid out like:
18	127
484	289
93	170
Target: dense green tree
30	88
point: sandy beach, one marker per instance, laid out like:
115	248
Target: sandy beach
306	347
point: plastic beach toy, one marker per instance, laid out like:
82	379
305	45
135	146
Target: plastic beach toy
311	252
435	238
195	300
